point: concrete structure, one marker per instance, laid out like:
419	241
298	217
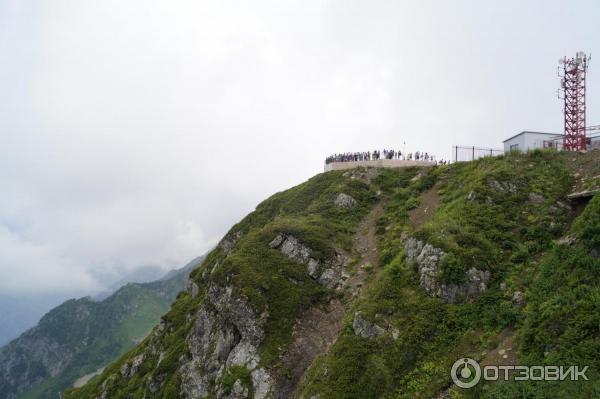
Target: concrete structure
531	140
380	163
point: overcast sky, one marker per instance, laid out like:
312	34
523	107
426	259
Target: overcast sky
137	132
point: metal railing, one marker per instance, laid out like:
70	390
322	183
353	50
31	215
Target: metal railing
465	154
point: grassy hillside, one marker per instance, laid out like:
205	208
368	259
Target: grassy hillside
507	216
82	335
502	228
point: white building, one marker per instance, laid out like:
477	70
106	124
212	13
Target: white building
531	140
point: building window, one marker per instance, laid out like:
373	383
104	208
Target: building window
514	147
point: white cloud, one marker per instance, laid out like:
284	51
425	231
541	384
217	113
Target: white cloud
135	133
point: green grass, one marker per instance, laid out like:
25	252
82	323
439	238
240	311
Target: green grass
485	220
500	231
111	328
267	279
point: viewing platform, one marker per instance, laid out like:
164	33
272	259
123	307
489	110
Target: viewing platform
378	163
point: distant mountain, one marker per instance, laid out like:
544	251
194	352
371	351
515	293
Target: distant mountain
21	313
82	335
144	274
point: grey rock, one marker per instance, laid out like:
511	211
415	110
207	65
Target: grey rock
365	329
129	370
313	268
277	241
427	259
154	383
328	273
239	312
330	278
503	187
192	288
226	332
518	299
293	249
228	242
412	248
537	198
244	354
239	391
567	240
344	201
263	383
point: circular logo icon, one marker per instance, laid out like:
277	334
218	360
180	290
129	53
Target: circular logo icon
465	373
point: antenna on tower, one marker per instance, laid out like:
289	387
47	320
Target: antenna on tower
572	74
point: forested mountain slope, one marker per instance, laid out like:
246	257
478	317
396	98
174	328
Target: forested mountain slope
82	335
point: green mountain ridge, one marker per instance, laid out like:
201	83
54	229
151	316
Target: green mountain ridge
370	283
82	335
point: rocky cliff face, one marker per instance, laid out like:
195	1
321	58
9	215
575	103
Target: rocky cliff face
225	334
427	259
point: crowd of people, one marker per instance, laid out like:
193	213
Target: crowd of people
385	154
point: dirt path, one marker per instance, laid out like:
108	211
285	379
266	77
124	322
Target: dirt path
364	246
429	201
504	354
319	326
86	378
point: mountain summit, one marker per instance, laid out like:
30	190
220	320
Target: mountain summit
371	283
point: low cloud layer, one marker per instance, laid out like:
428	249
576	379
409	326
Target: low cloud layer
135	133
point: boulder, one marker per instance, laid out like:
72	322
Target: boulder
327	273
536	198
518	299
567	240
503	187
365	329
228	242
344	201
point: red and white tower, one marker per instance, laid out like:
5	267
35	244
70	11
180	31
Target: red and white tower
573	79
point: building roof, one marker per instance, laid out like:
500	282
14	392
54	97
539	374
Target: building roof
529	131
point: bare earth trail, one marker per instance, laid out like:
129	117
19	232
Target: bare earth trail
318	328
429	201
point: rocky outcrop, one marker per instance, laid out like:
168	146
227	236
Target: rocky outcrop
518	299
365	329
226	333
536	198
327	273
192	288
344	201
228	242
503	186
567	240
427	259
129	370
